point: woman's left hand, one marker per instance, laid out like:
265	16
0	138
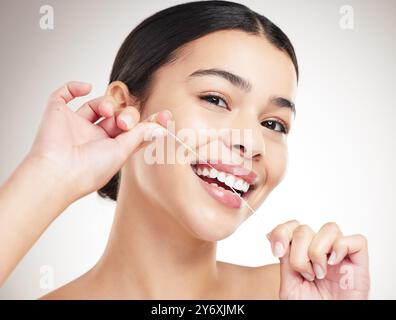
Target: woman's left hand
323	265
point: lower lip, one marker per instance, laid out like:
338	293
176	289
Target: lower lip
225	197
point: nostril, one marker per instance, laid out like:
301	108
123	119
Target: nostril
240	147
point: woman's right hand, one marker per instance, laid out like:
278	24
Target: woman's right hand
84	155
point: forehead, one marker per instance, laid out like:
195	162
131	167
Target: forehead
249	56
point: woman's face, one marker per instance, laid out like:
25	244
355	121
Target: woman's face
239	128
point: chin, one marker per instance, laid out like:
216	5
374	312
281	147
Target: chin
208	199
211	203
207	223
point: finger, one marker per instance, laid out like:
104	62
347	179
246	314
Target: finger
321	246
97	108
289	278
354	246
129	140
70	90
109	125
281	236
121	121
299	259
127	118
161	117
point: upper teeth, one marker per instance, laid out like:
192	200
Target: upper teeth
229	179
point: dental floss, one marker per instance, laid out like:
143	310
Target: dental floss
244	202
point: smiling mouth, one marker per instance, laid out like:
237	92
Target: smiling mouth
219	181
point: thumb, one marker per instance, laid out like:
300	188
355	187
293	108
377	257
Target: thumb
129	141
289	278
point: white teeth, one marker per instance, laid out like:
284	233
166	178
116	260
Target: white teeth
239	185
221	176
213	173
229	181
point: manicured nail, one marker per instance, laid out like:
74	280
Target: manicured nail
279	249
308	276
163	117
332	258
158	132
167	114
318	271
127	120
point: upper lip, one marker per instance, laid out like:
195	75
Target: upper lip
237	170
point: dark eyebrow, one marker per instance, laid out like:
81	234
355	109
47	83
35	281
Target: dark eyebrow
231	77
283	102
242	84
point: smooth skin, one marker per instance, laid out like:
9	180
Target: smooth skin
67	146
163	245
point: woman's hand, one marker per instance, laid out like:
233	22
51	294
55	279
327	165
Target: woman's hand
323	265
73	154
85	155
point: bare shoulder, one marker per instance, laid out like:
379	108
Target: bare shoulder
252	282
80	288
235	282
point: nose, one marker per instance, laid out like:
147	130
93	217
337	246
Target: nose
240	148
248	143
246	152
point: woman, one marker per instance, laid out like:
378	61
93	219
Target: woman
199	66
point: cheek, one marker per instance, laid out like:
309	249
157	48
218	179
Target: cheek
193	117
276	163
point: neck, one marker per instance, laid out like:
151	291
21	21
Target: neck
151	255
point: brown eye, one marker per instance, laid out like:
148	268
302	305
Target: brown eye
274	125
216	100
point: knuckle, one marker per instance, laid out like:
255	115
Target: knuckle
281	232
52	96
292	222
297	265
362	239
302	230
331	226
339	243
314	253
284	230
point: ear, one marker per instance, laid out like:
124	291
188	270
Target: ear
119	93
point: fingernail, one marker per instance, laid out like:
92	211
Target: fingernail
167	114
268	235
158	133
127	119
332	258
163	117
308	276
278	249
318	271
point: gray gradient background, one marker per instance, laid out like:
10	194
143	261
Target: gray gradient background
342	149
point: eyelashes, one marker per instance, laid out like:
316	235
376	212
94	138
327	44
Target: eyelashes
271	124
275	125
215	99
